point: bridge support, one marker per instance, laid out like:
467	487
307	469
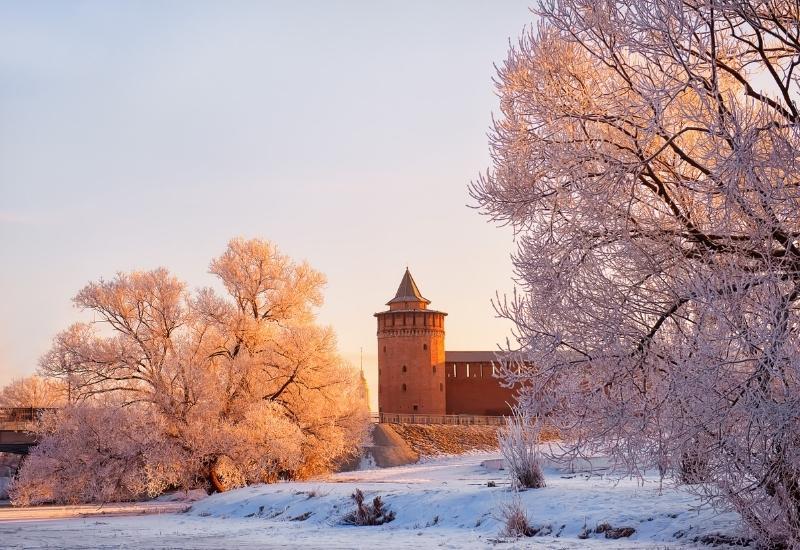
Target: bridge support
16	441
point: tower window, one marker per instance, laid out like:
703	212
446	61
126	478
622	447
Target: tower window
404	387
434	369
425	346
404	368
384	349
441	386
415	407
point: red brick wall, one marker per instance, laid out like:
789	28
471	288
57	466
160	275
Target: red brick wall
477	393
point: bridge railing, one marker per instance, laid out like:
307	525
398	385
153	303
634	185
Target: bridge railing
452	419
21	414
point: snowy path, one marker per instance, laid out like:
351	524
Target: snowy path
8	513
444	503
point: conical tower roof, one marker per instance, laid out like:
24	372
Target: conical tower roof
408	291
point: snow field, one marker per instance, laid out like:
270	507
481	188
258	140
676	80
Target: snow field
450	496
440	503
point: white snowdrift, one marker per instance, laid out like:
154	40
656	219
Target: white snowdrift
450	496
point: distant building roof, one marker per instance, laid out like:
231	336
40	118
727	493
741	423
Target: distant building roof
470	356
408	291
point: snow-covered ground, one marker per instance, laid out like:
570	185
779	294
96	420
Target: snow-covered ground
443	503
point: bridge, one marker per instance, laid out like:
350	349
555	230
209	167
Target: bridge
15	426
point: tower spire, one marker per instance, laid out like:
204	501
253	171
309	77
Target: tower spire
408	291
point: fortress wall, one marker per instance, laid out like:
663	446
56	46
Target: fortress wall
470	388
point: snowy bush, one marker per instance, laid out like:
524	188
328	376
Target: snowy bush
234	389
519	440
96	454
368	514
515	520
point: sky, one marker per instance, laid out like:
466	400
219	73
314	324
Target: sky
135	135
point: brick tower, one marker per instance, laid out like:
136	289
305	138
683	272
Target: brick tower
411	373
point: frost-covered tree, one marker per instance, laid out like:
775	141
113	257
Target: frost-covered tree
243	388
96	454
647	159
33	391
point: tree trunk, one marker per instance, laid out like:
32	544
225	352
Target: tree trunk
213	476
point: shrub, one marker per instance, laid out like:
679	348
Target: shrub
515	520
97	454
368	514
519	445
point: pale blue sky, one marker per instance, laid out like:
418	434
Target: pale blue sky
140	134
